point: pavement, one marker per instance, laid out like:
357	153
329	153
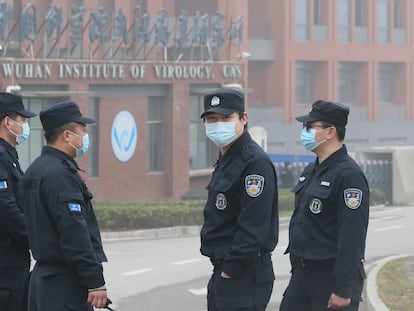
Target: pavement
372	302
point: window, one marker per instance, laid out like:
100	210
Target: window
360	13
93	131
203	152
302	20
318	18
347	82
305	82
386	72
154	133
344	20
384	21
31	149
398	14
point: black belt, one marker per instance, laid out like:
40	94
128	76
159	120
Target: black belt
305	263
257	256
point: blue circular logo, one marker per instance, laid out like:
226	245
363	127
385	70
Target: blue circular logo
124	136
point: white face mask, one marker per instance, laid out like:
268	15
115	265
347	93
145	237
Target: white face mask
221	133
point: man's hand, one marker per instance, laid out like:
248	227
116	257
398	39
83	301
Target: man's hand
336	302
225	275
97	297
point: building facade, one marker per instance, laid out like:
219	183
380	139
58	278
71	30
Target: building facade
357	52
141	69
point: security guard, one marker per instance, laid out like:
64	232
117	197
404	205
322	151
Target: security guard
328	227
63	232
241	220
14	247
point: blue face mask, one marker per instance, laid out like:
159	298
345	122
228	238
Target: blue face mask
221	133
85	145
308	140
20	138
25	133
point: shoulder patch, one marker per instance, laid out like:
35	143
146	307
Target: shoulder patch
74	207
3	184
254	185
353	197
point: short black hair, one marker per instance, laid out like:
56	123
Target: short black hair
52	135
241	114
340	131
12	115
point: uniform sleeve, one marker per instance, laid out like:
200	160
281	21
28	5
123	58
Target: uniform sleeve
67	208
12	222
353	214
256	222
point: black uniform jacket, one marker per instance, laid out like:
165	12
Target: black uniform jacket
241	214
330	219
13	230
60	218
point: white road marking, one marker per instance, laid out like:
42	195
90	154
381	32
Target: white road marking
198	292
384	218
389	228
387	211
137	271
184	262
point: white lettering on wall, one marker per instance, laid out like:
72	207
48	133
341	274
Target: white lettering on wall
183	72
27	71
138	71
116	71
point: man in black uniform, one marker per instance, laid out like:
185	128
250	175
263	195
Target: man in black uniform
328	227
241	219
14	247
63	232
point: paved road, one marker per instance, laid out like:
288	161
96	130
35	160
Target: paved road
170	274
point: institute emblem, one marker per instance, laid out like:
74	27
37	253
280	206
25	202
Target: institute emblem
315	206
254	185
215	101
353	197
124	136
221	202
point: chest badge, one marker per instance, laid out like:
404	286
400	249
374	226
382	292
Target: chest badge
254	185
221	202
315	206
353	197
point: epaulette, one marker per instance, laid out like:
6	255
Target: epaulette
246	152
70	166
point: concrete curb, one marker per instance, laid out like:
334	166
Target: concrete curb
374	300
158	233
169	232
161	233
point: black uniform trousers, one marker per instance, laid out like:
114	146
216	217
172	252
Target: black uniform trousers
310	288
249	291
14	276
56	287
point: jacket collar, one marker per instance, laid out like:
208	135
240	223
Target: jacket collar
9	148
63	156
243	140
335	157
